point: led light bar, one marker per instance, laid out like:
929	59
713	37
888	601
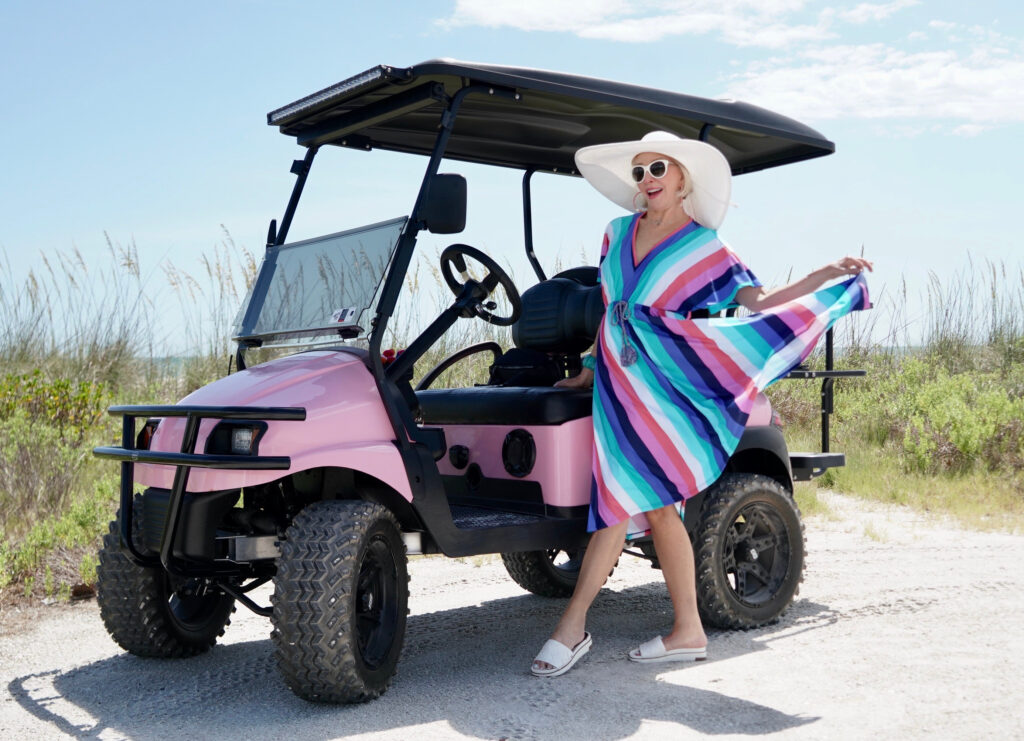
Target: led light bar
342	88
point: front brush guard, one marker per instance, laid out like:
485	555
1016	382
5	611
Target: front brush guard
183	462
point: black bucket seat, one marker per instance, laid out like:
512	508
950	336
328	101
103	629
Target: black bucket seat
560	317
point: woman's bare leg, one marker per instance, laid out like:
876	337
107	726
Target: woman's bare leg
604	549
676	557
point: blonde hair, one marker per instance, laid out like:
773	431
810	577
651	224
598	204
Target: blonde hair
685	191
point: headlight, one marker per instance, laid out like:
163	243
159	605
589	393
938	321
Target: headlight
145	437
235	438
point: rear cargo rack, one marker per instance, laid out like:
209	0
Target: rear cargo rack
183	461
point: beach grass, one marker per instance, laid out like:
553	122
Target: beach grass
937	424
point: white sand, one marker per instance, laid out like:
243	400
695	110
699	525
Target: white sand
904	628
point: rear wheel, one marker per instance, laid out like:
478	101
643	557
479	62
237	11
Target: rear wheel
749	551
550	573
150	613
340	600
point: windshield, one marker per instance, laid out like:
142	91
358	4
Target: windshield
324	286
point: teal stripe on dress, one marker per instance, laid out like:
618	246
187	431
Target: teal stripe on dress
681	382
655	270
639	489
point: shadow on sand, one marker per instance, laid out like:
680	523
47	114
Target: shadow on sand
467	667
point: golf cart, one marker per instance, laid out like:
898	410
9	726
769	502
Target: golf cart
322	469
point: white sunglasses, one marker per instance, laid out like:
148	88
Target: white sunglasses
658	168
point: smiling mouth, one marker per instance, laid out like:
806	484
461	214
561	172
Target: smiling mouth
653	192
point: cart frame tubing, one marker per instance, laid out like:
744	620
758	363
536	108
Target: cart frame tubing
183	462
828	379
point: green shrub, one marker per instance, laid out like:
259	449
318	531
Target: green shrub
74	531
39	470
937	420
70	407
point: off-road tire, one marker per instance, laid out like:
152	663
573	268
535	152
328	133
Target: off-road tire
749	552
149	613
537	572
340	600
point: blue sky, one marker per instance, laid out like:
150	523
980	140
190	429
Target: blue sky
147	121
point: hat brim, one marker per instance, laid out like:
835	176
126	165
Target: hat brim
607	168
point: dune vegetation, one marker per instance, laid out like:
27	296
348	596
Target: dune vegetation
937	423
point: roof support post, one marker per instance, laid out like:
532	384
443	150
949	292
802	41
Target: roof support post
528	225
404	426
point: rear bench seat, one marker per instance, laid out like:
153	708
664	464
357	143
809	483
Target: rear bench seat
504	405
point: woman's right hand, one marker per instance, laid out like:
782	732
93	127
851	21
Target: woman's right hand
582	380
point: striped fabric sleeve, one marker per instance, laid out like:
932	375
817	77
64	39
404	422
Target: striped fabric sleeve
734	276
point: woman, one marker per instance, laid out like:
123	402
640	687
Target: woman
672	393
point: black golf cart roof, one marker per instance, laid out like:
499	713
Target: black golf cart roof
532	119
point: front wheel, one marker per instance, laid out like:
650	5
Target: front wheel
749	551
150	613
340	600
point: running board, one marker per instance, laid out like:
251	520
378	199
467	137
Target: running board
479	530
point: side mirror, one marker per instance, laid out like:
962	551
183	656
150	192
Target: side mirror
445	209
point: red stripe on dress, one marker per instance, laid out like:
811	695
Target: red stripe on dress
637	411
711	354
714	265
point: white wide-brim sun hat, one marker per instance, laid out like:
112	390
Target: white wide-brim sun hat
607	167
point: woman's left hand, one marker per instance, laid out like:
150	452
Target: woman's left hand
846	266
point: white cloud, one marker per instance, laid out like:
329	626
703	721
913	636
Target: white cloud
743	30
970	129
873	11
763	23
978	87
535	15
967	77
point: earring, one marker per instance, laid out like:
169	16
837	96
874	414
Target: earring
641	205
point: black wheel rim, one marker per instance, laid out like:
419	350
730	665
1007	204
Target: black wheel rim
756	554
376	603
190	603
565	563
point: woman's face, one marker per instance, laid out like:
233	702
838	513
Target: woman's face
661	193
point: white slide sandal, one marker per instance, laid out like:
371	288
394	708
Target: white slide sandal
654	652
560	656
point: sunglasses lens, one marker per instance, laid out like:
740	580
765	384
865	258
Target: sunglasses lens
658	168
638	173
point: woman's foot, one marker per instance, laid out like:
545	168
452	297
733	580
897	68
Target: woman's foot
569	637
555	658
655	651
689	639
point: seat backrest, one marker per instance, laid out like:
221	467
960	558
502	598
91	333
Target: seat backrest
562	314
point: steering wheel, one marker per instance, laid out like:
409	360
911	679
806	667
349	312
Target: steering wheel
454	255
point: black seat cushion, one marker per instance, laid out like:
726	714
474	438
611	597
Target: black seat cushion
497	405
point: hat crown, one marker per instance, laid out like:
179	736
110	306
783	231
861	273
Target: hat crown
660	136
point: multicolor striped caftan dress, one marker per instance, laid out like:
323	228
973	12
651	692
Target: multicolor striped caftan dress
671	394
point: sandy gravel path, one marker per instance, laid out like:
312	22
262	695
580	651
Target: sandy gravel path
903	629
